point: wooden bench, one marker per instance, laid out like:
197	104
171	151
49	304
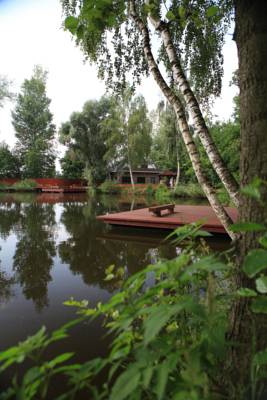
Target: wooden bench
157	209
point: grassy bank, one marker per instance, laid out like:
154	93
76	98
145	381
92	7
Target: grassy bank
26	185
161	193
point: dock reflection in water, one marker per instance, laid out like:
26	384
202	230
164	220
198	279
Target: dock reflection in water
51	248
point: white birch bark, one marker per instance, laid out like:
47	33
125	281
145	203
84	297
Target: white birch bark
199	123
182	123
178	164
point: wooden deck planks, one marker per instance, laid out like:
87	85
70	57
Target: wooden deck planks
183	214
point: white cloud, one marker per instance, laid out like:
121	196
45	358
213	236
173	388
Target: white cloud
31	33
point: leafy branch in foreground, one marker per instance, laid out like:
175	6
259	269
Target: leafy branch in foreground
168	324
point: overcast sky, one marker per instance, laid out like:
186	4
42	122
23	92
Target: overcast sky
31	33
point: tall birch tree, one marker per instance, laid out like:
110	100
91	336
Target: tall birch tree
128	132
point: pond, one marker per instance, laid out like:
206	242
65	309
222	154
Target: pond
53	248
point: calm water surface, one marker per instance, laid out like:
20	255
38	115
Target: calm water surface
51	248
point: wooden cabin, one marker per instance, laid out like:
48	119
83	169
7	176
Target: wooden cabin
143	176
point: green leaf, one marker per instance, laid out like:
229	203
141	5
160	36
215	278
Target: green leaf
255	262
155	322
162	379
245	292
263	241
126	383
71	23
260	358
109	277
208	264
247	227
252	190
259	305
147	376
60	359
160	315
211	11
261	284
110	269
170	16
181	11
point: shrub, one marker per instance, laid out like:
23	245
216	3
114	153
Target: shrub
25	184
150	190
163	194
110	187
189	190
3	186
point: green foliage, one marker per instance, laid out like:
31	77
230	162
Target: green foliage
168	338
163	193
110	187
192	190
34	129
197	30
150	190
72	168
25	184
9	164
36	381
168	148
128	131
85	140
223	197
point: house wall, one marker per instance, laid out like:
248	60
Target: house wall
139	178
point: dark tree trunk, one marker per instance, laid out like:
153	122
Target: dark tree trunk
251	39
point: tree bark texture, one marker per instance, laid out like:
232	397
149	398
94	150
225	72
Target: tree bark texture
251	39
182	123
199	123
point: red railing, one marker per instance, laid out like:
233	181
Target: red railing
46	182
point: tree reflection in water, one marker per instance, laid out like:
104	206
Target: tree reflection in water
6	283
35	250
89	253
9	220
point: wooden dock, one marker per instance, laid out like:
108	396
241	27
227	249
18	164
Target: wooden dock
64	189
183	214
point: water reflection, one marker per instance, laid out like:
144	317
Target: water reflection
35	249
52	247
6	283
10	214
88	250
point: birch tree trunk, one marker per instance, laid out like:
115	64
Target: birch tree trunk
129	159
182	123
178	164
199	123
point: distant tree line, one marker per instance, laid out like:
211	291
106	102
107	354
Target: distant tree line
111	133
107	134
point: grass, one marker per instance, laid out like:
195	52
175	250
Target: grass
161	193
192	190
27	184
23	185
